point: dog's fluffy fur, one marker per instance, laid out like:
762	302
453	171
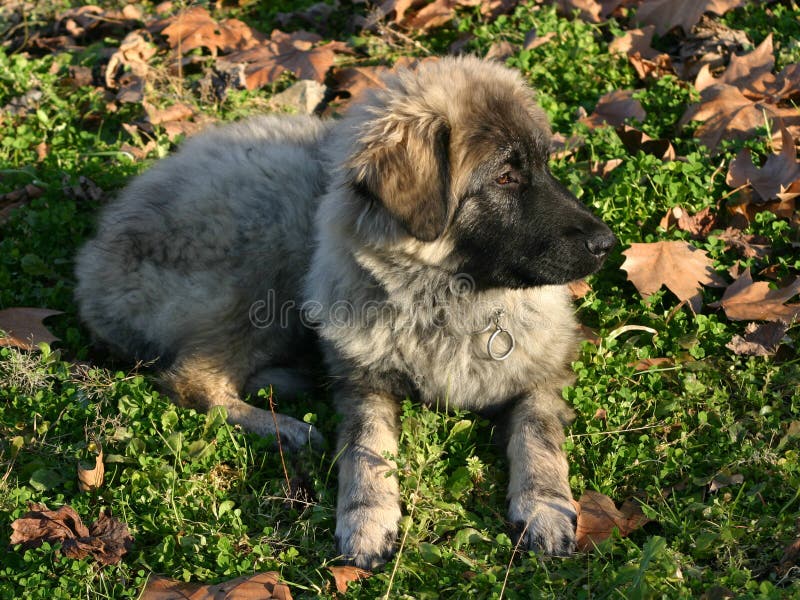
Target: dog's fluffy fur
402	237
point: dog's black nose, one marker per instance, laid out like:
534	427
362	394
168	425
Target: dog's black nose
601	244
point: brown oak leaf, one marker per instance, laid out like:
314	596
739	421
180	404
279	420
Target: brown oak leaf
589	10
23	327
91	479
744	71
106	540
635	140
699	225
778	173
598	517
680	266
295	52
728	114
746	300
195	28
747	245
759	339
614	108
261	586
346	574
666	14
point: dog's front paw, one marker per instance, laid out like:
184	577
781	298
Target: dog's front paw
366	535
547	525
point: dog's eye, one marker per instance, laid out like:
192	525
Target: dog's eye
507	178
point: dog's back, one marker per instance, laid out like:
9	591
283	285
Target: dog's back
193	242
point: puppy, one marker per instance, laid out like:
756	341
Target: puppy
420	241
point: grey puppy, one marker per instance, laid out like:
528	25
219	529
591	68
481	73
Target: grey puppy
421	240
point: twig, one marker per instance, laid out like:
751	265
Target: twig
511	560
278	436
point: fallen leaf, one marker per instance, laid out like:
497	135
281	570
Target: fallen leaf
176	112
636	41
678	265
598	517
722	481
195	28
261	586
667	14
533	40
759	339
24	329
106	540
778	172
645	364
15	199
588	10
588	334
745	300
699	225
744	71
603	168
134	53
578	289
747	245
711	43
614	108
636	140
283	52
92	479
789	558
500	51
347	574
355	80
601	414
728	114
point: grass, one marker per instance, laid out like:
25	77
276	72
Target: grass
206	502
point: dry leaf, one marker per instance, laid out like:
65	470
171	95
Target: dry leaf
747	245
500	51
601	414
699	224
578	289
177	112
789	558
647	363
722	481
745	300
283	52
589	10
346	574
134	53
24	329
355	80
15	199
678	265
635	41
602	168
533	40
261	586
759	339
92	479
635	140
614	108
729	114
195	28
744	71
778	173
666	14
598	517
106	540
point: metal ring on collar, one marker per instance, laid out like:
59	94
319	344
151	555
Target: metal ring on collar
493	339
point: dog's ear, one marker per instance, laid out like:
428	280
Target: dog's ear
407	168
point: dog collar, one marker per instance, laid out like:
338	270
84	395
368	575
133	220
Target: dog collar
499	331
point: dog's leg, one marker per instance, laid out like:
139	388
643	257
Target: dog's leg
201	383
368	506
540	501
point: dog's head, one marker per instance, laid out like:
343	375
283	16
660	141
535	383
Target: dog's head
458	150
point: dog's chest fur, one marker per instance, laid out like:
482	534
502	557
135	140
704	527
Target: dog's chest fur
400	330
